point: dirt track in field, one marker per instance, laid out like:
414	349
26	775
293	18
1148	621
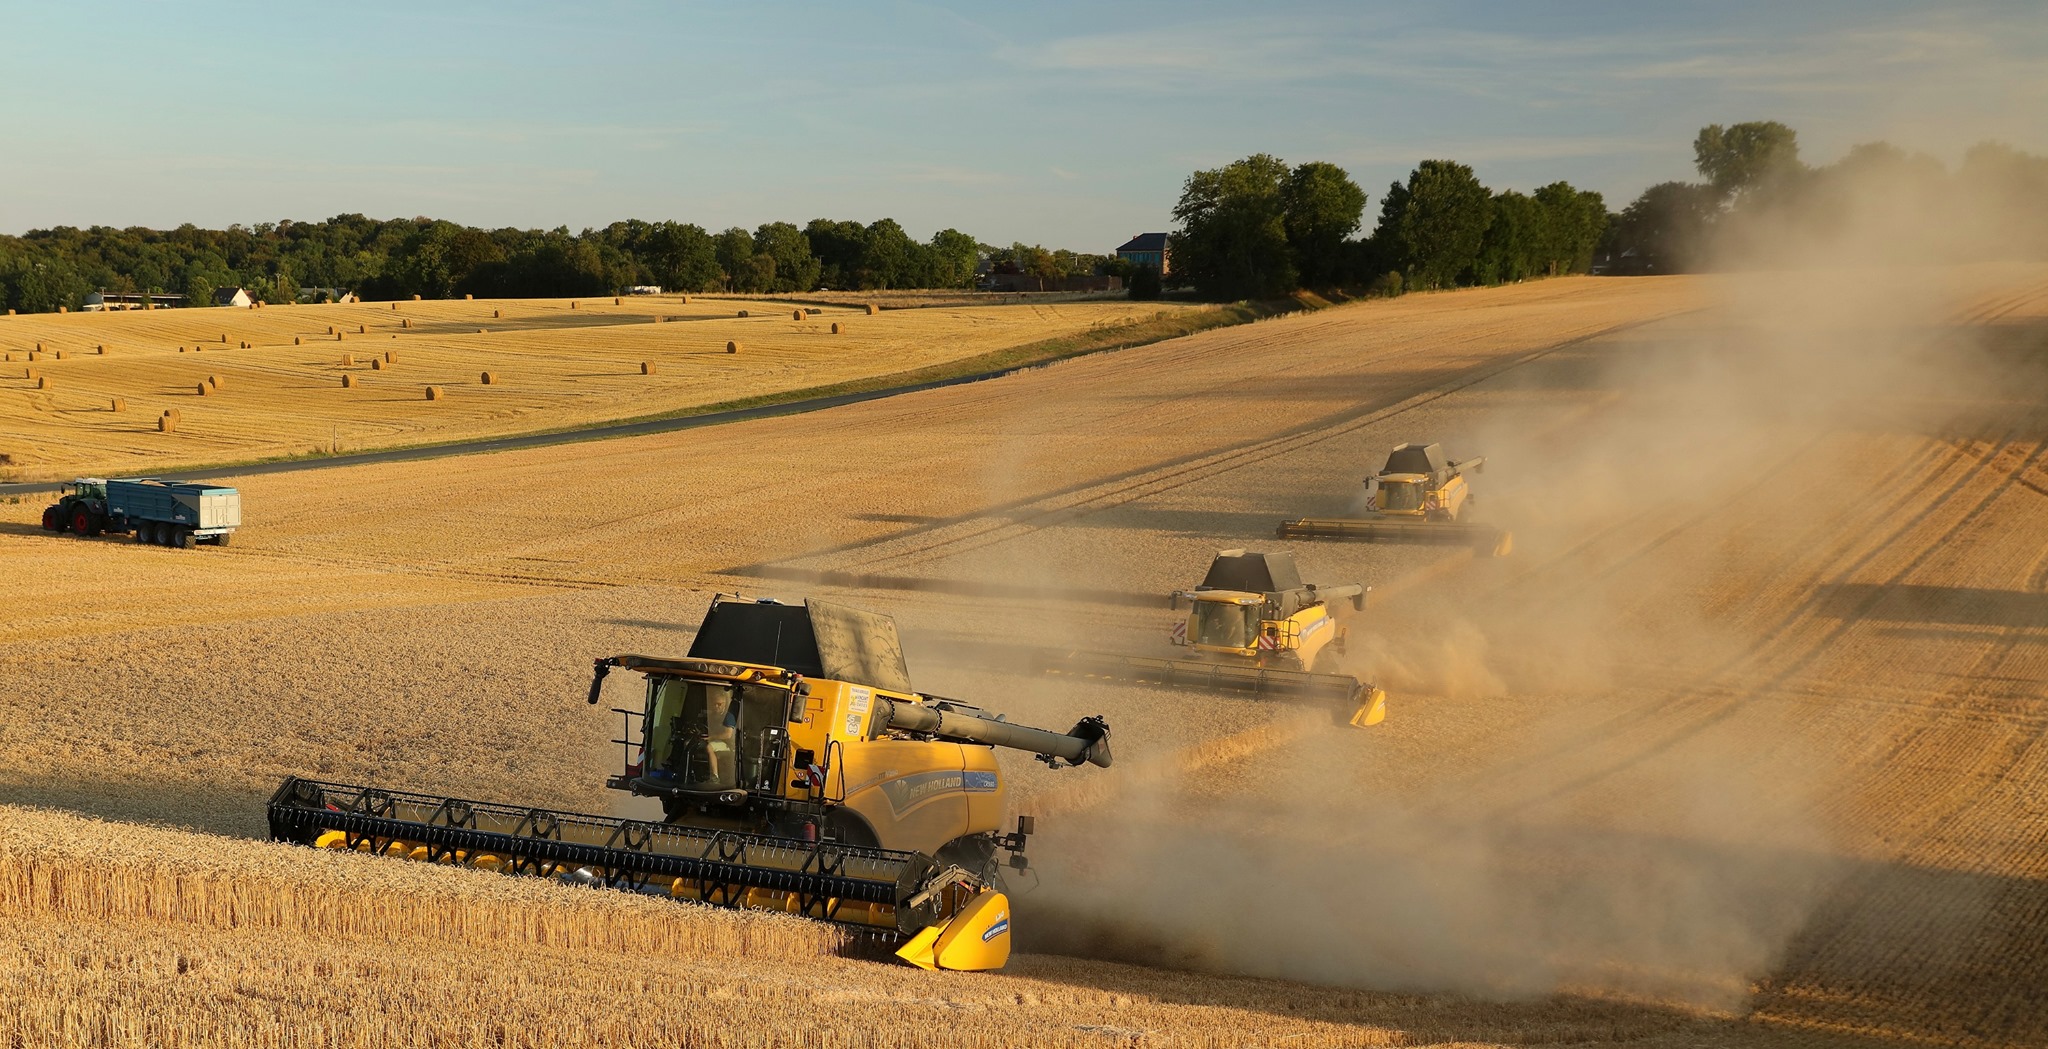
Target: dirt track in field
1744	744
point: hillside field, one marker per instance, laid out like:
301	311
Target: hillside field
1742	746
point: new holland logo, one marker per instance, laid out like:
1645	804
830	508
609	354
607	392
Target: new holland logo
1001	926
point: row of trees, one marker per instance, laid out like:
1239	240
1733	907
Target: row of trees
1258	228
1757	201
437	259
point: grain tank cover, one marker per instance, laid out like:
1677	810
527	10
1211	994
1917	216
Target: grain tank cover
1416	459
816	639
1253	573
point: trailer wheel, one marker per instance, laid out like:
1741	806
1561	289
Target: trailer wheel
221	539
183	540
160	534
141	531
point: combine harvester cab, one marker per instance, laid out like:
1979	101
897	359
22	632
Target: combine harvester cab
1253	626
798	772
1419	496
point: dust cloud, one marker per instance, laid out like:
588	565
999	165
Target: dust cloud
1590	784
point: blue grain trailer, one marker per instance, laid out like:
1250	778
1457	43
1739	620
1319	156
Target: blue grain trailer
167	513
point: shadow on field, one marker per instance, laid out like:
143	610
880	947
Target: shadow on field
1920	603
11	528
127	799
957	587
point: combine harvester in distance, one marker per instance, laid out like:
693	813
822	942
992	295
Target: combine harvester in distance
1254	627
798	772
1420	496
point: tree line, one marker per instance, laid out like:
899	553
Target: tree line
432	258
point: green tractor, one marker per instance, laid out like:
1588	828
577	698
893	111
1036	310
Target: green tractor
82	509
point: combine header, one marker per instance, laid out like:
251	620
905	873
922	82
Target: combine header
1252	626
798	772
1418	497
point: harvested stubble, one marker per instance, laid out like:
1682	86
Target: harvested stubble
647	367
433	393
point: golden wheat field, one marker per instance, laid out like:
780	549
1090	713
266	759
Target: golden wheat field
1743	745
84	392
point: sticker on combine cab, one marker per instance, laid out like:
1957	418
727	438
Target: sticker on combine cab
911	791
1001	926
978	781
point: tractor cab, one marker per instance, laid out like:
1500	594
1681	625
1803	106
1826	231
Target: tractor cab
94	488
1400	493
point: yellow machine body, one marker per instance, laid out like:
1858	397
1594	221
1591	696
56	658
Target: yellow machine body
977	938
1228	625
1416	495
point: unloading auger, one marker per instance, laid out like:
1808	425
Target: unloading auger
797	771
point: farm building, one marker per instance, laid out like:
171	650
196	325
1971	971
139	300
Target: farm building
1148	249
239	298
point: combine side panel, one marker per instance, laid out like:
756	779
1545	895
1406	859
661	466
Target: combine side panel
865	887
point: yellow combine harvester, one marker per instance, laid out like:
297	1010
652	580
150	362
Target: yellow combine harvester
1419	496
797	771
1253	626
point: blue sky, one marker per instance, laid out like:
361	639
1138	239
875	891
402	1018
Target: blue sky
1067	124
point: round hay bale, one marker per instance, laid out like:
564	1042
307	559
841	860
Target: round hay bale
10	313
166	424
572	304
205	389
216	382
348	360
873	309
103	349
376	364
295	340
43	383
330	329
467	297
483	331
743	313
60	355
405	323
181	349
494	314
29	373
838	328
685	298
415	298
433	393
248	346
796	315
647	367
173	414
394	305
117	405
490	378
391	356
337	336
348	382
63	309
618	300
362	329
223	338
732	347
